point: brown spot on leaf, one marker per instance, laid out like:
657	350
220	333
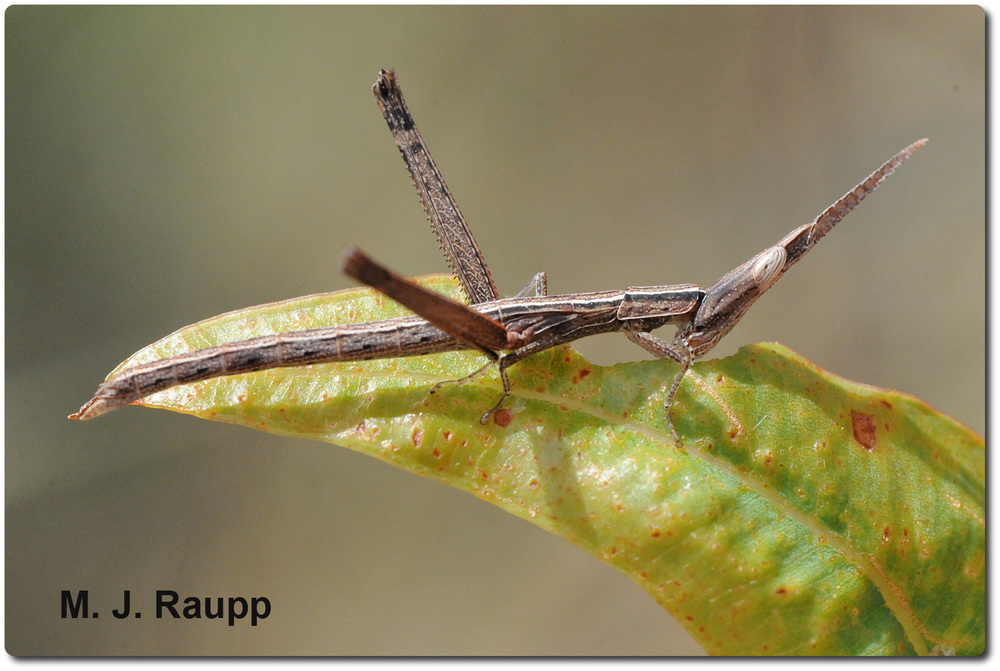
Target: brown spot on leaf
887	404
886	533
864	430
418	435
503	417
437	452
584	373
782	590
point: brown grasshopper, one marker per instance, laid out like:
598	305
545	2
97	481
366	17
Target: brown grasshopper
521	326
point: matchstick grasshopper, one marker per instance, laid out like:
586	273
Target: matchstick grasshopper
506	330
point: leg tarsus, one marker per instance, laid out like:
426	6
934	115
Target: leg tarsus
485	419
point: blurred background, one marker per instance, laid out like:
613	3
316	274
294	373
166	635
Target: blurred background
164	165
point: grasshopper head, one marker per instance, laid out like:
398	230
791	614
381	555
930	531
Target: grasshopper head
727	300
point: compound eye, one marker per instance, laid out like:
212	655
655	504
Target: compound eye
768	267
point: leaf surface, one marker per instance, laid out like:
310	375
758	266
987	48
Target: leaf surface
804	514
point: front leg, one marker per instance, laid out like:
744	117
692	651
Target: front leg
681	354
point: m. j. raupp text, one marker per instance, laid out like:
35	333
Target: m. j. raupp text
169	604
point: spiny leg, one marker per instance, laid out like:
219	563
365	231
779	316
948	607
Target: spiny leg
450	227
661	349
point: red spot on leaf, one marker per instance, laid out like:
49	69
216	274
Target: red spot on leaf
584	373
782	590
864	430
437	452
503	417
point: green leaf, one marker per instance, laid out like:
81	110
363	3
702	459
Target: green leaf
804	514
